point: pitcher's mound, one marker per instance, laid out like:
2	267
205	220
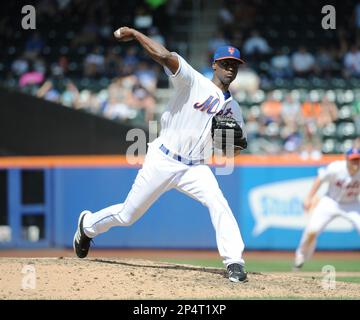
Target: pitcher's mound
70	278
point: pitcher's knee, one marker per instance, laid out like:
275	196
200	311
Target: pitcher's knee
126	219
218	203
126	222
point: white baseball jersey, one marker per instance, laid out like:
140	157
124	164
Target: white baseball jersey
186	131
343	188
186	124
341	200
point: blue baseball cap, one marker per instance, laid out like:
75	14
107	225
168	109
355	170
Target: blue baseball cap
353	153
227	52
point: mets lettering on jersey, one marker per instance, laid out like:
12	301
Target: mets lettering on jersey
209	105
225	112
184	130
342	186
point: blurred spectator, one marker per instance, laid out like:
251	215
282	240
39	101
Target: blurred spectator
34	46
31	78
63	63
291	137
290	110
280	64
252	124
155	35
256	44
246	80
117	106
147	76
141	99
48	92
311	151
265	144
271	109
311	110
94	104
63	52
58	69
70	96
20	66
143	19
39	65
356	143
352	62
94	63
356	114
328	113
130	60
324	62
303	62
88	101
112	63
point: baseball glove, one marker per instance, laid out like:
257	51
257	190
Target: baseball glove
227	134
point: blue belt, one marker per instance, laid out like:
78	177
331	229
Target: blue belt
179	158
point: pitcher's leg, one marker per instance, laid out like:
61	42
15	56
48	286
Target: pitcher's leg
151	181
306	248
354	218
323	213
351	212
200	183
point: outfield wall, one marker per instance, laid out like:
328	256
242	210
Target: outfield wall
265	194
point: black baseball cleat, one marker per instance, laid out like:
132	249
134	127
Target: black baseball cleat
81	242
236	273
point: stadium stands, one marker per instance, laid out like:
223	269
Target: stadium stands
72	59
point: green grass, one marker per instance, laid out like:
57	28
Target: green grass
353	279
278	265
349	279
266	265
285	265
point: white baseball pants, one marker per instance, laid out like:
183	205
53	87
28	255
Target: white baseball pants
326	210
159	174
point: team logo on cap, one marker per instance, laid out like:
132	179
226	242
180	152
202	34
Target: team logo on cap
231	50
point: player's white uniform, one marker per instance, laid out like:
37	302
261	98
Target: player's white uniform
176	160
340	200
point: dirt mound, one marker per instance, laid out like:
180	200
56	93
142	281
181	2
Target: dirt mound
70	278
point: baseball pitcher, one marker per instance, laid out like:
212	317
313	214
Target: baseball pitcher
176	159
340	200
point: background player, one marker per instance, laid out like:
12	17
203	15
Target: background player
341	200
176	158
